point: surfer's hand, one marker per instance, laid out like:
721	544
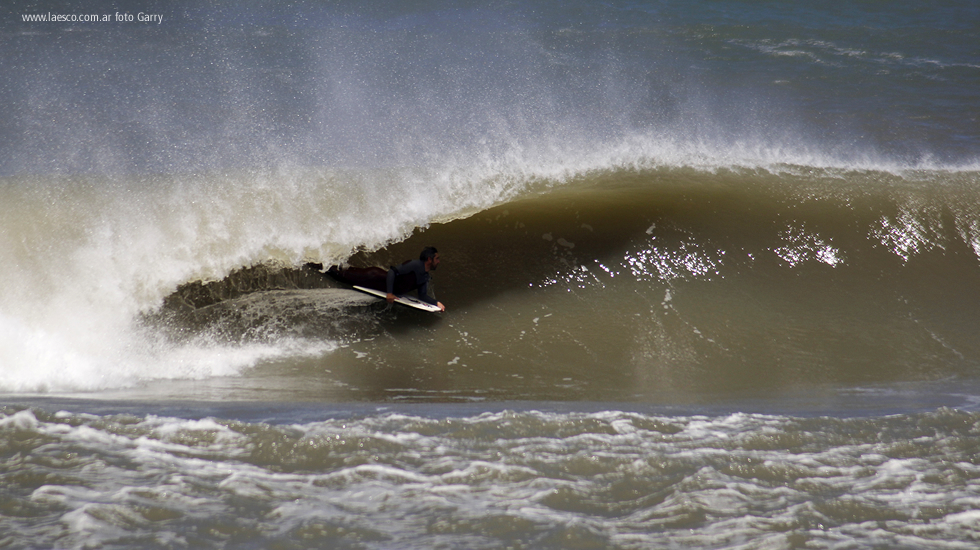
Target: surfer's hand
391	298
441	307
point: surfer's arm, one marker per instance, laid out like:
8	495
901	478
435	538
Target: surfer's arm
424	296
390	285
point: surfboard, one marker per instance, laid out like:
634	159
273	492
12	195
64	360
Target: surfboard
404	300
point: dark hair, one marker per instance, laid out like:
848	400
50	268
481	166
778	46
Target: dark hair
427	253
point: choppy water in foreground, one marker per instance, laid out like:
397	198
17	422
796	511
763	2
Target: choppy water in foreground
433	477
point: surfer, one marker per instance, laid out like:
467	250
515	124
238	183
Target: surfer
409	276
416	271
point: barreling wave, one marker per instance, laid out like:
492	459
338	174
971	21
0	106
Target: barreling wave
93	255
675	280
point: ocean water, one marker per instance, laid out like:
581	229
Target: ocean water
711	271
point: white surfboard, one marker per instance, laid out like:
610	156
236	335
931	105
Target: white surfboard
404	300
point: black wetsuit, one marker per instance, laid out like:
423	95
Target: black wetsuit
417	277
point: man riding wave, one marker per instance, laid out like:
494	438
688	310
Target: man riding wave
409	276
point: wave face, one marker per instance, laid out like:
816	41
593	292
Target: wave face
634	201
618	284
674	282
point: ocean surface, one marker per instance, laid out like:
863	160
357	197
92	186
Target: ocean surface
711	272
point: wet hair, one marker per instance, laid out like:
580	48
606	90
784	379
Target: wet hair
427	253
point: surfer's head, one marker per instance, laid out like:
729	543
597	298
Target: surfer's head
430	257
